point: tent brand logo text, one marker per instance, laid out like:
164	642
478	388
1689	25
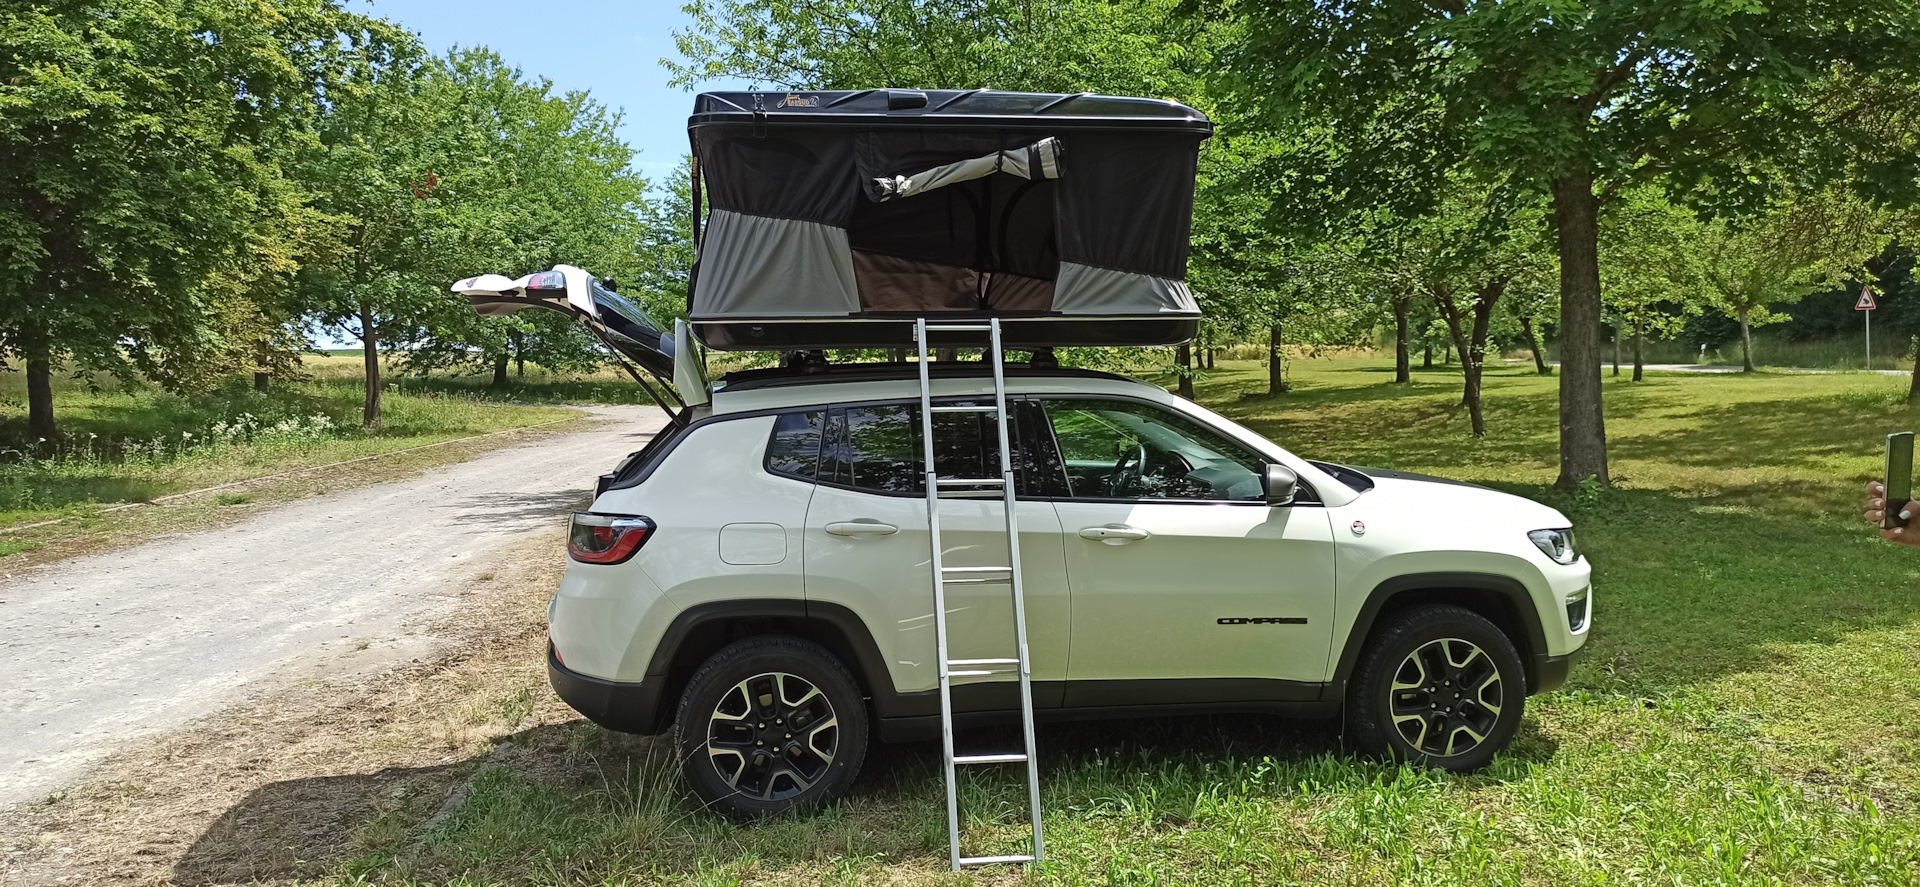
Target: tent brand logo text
1263	620
799	101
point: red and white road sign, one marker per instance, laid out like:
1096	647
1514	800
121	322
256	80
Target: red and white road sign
1866	300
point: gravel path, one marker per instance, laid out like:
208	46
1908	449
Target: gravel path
101	650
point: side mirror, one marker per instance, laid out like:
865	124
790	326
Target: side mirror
1280	483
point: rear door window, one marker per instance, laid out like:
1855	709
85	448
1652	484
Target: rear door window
793	450
877	448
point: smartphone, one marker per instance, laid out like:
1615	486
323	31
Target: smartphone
1899	478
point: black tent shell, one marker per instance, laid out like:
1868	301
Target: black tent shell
838	215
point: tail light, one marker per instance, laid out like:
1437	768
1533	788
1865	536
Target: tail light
606	538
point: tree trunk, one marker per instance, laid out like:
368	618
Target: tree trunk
1639	351
519	344
1402	365
370	352
1183	357
500	370
1913	386
1446	353
1583	427
1616	349
1746	344
1533	345
1426	358
1276	360
1210	355
1471	341
1475	361
945	354
40	421
262	381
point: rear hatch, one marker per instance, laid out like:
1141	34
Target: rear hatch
643	347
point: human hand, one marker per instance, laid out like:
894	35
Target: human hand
1877	511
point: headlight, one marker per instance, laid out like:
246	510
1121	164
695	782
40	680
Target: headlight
1556	544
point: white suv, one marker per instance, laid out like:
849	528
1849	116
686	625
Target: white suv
758	578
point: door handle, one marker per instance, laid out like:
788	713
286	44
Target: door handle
861	528
1114	534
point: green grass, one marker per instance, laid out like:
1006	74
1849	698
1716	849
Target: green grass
1746	713
132	445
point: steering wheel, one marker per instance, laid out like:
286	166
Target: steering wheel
1127	472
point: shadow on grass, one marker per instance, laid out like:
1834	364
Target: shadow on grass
573	803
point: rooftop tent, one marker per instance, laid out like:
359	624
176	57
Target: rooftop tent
1067	216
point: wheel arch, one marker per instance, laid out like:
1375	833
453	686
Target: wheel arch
1503	600
702	630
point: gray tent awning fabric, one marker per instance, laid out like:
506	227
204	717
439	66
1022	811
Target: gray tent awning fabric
1086	290
1040	160
754	266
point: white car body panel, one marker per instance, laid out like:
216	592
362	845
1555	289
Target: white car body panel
888	580
1150	608
1140	611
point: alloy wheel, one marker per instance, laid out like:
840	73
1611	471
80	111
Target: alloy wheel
1446	697
772	736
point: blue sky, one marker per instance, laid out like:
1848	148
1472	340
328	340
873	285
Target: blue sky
612	49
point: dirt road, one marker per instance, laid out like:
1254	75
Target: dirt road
100	651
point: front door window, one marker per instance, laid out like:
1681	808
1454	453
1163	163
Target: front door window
1115	449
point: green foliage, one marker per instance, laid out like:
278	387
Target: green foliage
142	152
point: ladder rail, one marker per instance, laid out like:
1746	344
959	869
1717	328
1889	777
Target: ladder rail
939	595
943	576
1003	418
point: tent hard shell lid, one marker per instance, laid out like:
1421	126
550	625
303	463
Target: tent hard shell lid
1067	216
620	324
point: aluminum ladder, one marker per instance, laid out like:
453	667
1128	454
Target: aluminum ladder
944	576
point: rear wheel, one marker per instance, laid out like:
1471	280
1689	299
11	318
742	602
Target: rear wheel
771	725
1440	685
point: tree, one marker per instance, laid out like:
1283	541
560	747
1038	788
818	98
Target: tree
1653	267
550	182
142	146
1582	102
1747	271
447	166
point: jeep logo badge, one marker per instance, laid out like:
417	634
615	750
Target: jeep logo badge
1262	620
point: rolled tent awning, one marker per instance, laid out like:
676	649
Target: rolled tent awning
1069	216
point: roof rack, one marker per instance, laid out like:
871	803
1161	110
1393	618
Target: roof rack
816	374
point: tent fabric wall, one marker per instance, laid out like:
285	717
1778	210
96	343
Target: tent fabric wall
755	266
868	215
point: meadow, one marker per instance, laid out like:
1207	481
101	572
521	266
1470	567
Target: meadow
121	444
1745	712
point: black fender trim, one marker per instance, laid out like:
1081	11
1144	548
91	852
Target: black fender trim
1543	672
834	626
615	705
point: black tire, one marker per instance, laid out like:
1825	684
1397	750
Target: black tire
761	707
1454	706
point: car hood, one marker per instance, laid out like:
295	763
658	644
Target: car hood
1463	504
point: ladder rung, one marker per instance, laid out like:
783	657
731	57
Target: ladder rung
976	569
955	408
994	860
990	759
983	662
960	328
970	481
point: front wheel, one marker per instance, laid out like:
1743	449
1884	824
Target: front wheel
771	725
1440	685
